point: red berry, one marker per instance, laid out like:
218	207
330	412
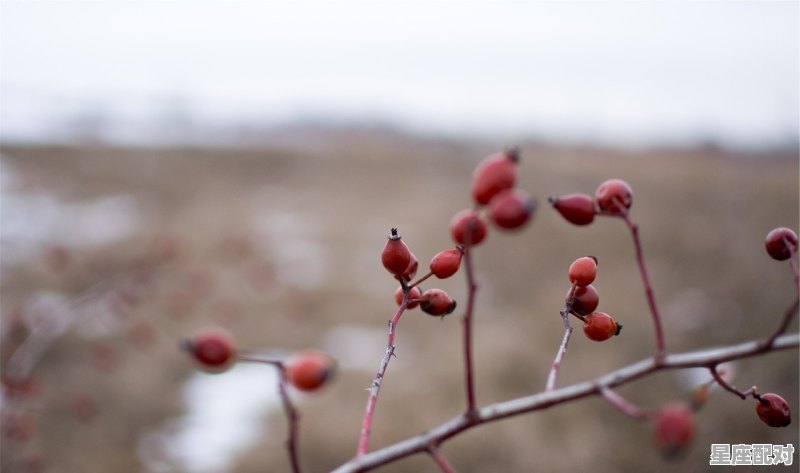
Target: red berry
395	256
575	208
467	225
411	269
445	263
599	326
614	196
780	242
774	410
583	270
413	294
437	302
309	370
674	428
212	350
495	173
511	209
586	300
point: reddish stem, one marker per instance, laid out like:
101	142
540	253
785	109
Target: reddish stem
441	461
623	405
372	400
651	300
793	258
753	391
562	349
472	288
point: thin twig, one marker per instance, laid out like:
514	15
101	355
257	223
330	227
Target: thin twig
623	405
292	416
544	400
562	349
441	461
648	288
472	288
787	319
753	391
372	400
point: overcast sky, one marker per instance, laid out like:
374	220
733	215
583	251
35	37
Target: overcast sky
619	72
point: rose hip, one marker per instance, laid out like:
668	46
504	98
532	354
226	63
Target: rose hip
577	209
494	174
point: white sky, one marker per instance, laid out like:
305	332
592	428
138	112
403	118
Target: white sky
609	71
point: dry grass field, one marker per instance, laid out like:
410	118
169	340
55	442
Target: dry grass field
129	249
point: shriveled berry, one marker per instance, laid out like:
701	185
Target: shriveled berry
467	228
511	209
614	196
437	302
599	326
395	256
577	209
212	349
780	243
583	270
673	428
774	410
494	174
414	294
586	300
309	370
446	263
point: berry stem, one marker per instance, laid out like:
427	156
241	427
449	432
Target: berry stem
472	288
418	281
292	417
651	300
372	400
441	461
623	405
787	319
753	391
793	257
562	349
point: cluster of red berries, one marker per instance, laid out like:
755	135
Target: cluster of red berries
582	300
613	197
398	259
493	189
213	351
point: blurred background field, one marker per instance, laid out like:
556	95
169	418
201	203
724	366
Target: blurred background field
169	166
282	247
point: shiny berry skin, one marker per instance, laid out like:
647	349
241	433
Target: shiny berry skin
612	194
494	174
308	371
586	300
774	410
673	428
437	302
411	269
413	294
780	242
583	270
212	350
511	209
467	225
577	209
446	263
599	326
395	256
